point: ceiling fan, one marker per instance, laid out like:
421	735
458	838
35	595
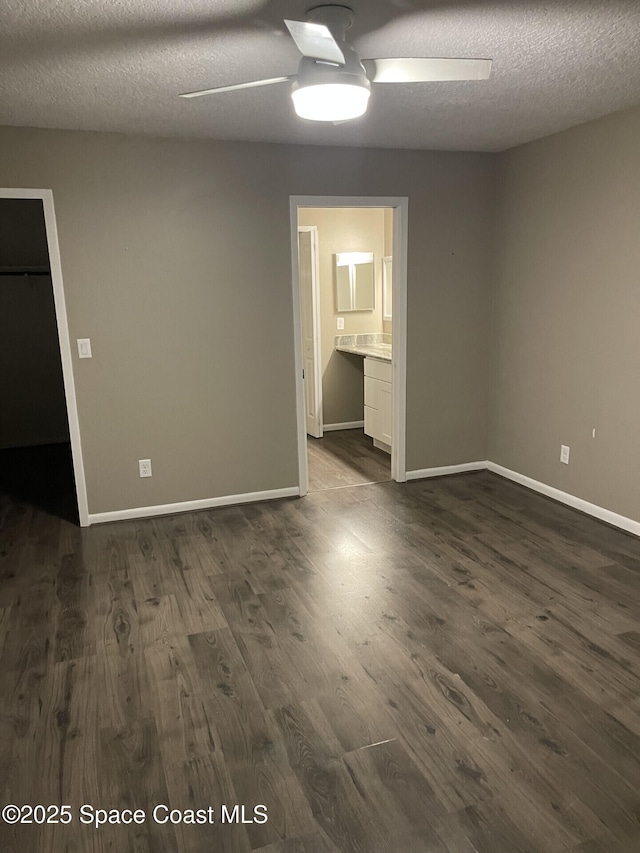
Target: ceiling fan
333	83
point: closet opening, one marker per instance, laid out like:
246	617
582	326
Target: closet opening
38	465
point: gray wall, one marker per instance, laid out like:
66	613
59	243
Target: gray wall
566	322
344	230
32	404
176	263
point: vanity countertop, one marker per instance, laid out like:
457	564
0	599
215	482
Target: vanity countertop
368	345
381	351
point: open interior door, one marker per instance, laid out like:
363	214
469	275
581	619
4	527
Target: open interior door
309	307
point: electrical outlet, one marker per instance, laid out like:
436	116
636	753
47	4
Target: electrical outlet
564	453
145	467
340	323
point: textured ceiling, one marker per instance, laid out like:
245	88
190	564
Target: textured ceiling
119	65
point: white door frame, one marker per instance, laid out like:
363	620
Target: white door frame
46	196
315	300
400	207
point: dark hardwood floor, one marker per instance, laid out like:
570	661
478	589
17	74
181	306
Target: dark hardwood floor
443	666
345	458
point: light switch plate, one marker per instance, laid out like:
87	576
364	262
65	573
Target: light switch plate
340	324
84	348
564	454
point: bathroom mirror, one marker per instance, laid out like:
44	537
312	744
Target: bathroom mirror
387	293
355	281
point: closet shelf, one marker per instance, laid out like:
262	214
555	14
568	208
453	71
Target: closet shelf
18	271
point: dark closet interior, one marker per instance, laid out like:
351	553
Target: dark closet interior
35	452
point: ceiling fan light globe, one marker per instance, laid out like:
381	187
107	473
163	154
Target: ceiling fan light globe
330	101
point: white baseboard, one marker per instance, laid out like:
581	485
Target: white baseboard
426	473
613	518
596	511
189	506
347	425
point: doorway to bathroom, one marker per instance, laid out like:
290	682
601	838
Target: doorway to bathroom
349	265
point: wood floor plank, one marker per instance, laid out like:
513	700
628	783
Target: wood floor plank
26	659
152	578
404	802
256	547
358	713
5	613
125	687
338	802
317	534
253	752
270	665
488	829
74	634
202	783
185	720
79	759
160	619
132	776
60	743
316	843
345	458
189	572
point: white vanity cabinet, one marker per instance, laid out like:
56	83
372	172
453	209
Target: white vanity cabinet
377	402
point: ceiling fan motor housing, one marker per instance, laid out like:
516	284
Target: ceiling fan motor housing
314	72
327	90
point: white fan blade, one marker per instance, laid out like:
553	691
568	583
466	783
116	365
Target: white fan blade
252	85
315	41
426	70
